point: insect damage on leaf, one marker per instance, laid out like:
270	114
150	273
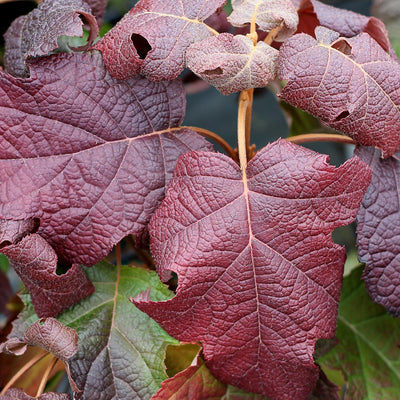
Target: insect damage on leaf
259	276
352	85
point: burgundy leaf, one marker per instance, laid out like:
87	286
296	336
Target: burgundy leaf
259	276
352	85
54	337
194	383
324	389
267	14
219	21
5	292
19	394
313	13
378	230
36	33
13	346
98	7
153	37
88	155
233	63
35	262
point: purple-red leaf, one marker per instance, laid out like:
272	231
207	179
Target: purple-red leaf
267	14
5	292
194	383
352	85
35	262
259	276
88	155
378	230
36	33
313	13
98	7
153	37
19	394
232	63
54	337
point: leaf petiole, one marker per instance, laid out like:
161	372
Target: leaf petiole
320	137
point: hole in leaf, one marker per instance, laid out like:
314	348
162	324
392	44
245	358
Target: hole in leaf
341	116
342	46
142	46
216	71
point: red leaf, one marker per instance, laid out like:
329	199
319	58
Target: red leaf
232	63
259	276
378	230
98	7
352	85
313	13
194	383
88	155
163	55
36	33
35	262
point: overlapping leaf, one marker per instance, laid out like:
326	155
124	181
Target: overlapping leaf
98	7
313	13
267	14
153	37
368	351
352	85
259	276
5	291
18	394
121	350
233	63
88	155
36	33
35	262
378	230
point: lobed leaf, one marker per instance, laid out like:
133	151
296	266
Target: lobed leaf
153	37
378	230
121	350
267	14
352	85
86	154
36	33
368	352
35	262
313	13
232	63
259	276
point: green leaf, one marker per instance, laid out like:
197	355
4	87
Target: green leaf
368	351
4	264
121	350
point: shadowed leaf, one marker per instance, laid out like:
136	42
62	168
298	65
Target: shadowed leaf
378	230
18	394
368	351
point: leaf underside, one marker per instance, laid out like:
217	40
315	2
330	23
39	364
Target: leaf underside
259	276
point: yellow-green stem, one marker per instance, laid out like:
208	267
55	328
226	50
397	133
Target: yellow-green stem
320	137
244	125
45	377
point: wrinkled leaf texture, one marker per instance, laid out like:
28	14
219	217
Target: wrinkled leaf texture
168	26
352	85
378	230
313	13
267	14
35	262
232	63
36	33
368	351
259	276
18	394
121	350
88	155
